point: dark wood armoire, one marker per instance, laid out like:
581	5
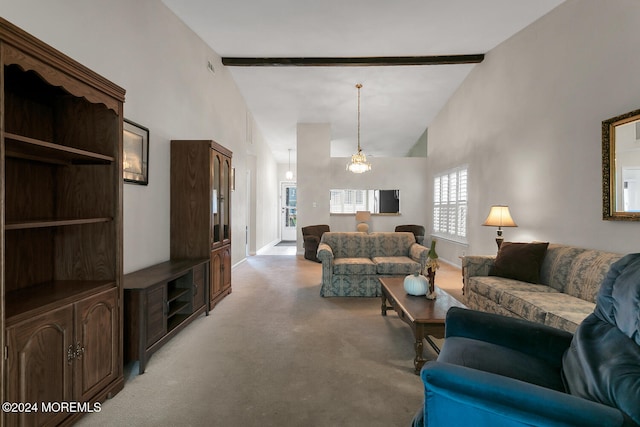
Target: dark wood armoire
201	183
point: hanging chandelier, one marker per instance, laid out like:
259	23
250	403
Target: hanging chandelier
358	163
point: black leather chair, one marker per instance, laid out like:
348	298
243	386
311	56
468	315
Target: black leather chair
311	235
417	230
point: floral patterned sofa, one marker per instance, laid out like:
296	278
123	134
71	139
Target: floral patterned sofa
569	280
352	262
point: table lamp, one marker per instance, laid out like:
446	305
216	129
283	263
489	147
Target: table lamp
499	216
362	217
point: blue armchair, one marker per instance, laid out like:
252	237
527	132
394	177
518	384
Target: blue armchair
499	371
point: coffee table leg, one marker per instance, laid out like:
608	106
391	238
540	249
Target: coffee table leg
384	304
418	345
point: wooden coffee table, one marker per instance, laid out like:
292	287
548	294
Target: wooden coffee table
425	317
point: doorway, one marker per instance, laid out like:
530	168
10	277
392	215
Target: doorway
289	209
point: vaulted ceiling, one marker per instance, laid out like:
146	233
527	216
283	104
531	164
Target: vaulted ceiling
397	102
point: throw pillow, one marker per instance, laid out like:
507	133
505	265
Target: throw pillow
519	261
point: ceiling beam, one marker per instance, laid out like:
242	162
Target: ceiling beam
371	61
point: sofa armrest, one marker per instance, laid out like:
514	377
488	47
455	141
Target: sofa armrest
419	253
475	265
325	253
478	265
547	343
457	395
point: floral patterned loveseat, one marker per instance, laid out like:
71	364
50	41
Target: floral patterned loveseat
352	262
569	280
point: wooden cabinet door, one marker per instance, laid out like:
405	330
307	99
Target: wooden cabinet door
38	368
226	267
97	344
220	272
199	276
216	274
156	313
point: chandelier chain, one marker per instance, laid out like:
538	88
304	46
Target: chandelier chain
359	86
358	163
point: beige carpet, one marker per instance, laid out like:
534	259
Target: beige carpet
275	353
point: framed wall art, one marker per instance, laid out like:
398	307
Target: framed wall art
135	153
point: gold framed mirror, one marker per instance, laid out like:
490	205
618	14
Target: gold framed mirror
621	167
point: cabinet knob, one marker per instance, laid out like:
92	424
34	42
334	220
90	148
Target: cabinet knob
71	354
79	350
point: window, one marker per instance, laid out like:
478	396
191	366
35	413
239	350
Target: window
450	204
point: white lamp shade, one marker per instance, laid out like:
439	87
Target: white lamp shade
363	216
499	216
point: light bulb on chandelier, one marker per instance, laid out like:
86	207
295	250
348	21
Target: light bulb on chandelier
358	163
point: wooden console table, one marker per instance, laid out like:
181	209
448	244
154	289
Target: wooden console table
161	300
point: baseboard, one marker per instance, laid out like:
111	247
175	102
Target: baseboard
457	265
267	246
238	263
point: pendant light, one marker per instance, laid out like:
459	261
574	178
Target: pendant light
289	174
359	162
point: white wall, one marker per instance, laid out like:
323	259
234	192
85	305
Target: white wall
143	47
407	174
527	121
312	175
266	195
318	173
419	149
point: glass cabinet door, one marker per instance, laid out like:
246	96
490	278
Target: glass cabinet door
226	199
215	200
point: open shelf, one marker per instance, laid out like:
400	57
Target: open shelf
25	303
177	308
176	321
23	147
175	293
40	223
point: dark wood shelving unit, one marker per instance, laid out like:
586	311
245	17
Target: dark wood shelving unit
159	301
201	185
61	281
